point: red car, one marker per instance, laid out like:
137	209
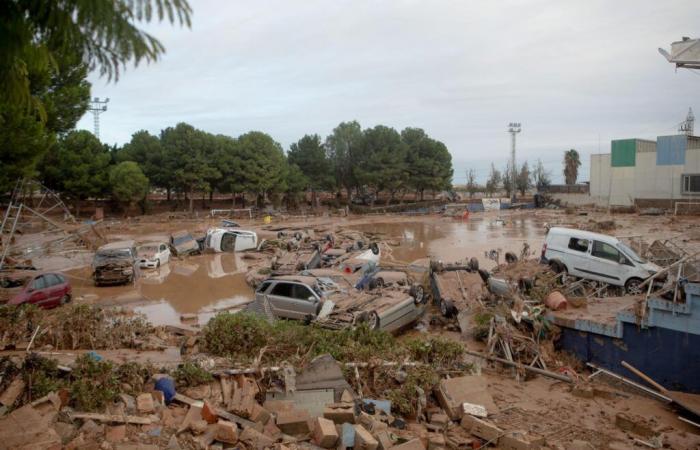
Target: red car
46	290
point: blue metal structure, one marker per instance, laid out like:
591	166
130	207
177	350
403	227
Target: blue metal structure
665	344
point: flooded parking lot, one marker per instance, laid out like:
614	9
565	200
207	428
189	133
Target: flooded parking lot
207	284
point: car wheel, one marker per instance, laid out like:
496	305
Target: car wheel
557	266
418	294
447	309
374	247
158	263
373	321
65	299
511	258
633	286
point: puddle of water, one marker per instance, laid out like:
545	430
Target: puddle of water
453	240
202	285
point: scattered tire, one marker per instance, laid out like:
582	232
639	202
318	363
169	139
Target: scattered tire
484	275
557	266
473	264
65	299
374	247
418	294
447	309
511	258
373	321
360	244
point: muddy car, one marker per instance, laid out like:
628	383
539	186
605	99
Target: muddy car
182	243
114	263
337	305
45	290
293	262
152	255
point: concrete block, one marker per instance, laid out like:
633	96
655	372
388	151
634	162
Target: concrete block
436	441
481	428
226	432
256	439
293	422
340	412
145	404
413	444
518	440
325	434
384	439
115	434
364	439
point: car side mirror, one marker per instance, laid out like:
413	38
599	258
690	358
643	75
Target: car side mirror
312	298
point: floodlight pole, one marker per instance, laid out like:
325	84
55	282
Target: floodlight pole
513	128
97	107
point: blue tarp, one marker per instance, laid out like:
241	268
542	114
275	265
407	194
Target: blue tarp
670	150
475	207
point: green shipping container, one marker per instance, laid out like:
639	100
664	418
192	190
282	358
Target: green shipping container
624	153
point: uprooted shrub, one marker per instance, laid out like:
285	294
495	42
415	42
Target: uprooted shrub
245	336
72	327
94	384
190	374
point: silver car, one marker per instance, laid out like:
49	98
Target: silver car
322	300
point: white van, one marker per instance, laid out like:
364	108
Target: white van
597	257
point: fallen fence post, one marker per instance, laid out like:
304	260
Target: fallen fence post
543	372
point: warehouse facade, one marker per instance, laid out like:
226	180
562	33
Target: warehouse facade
648	173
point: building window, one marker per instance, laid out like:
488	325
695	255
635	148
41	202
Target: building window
690	183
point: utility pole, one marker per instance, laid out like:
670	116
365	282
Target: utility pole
97	107
513	129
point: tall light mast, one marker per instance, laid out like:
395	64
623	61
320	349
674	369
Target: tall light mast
513	128
97	107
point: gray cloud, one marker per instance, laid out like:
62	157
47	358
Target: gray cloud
576	74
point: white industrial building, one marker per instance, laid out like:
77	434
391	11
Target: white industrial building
648	173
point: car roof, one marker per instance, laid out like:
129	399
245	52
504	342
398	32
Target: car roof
582	234
118	245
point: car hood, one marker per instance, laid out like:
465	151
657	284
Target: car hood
650	266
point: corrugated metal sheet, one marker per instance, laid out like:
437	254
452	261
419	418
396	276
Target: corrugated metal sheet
693	143
670	150
624	153
645	146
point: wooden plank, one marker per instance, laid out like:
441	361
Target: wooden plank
112	418
644	377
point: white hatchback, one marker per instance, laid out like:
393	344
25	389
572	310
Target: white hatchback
152	254
597	257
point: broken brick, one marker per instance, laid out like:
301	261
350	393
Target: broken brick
518	440
481	428
144	403
256	439
209	413
13	391
413	444
293	422
115	434
226	432
340	413
634	424
325	434
364	440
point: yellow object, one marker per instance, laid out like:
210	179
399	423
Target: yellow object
267	219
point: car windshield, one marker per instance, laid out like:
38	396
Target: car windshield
117	253
630	253
182	239
148	249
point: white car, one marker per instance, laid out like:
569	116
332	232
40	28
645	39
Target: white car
230	240
597	257
152	254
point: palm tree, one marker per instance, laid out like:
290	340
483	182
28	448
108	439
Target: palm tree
571	165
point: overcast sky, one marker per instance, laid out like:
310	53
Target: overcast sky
575	74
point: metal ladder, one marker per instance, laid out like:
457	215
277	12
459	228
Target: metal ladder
10	220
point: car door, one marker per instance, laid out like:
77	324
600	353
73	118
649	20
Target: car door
605	264
55	289
164	253
305	300
280	298
37	291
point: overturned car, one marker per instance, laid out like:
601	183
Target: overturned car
334	302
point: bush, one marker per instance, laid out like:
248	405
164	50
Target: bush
95	384
189	374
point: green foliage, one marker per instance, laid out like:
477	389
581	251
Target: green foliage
133	377
146	150
103	33
127	182
77	166
25	135
541	177
523	181
42	376
428	162
572	162
343	146
381	161
95	384
263	164
404	398
309	156
435	351
190	374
